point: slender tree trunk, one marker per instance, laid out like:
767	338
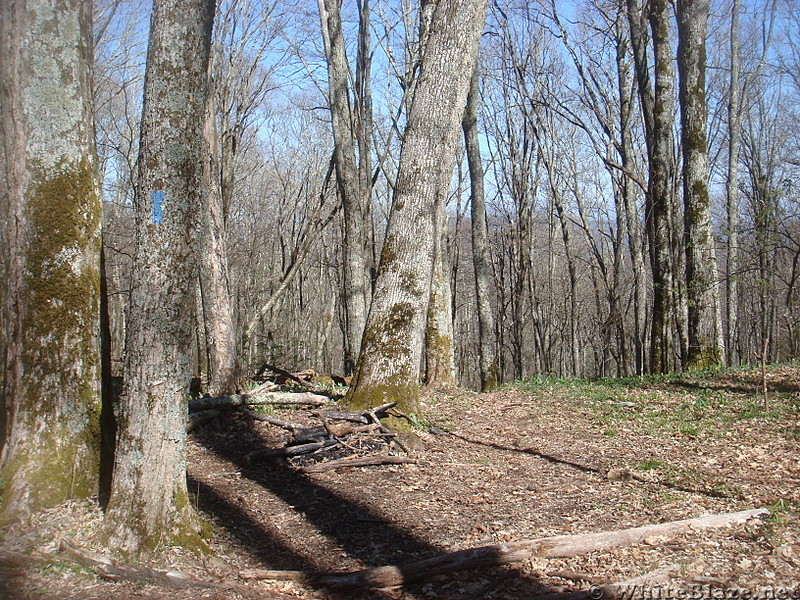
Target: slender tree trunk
149	502
351	188
732	196
481	259
220	334
51	216
632	222
661	196
701	265
388	367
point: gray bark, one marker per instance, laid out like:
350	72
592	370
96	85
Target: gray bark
355	191
732	195
51	217
704	327
220	334
149	503
632	223
481	259
657	106
440	369
388	368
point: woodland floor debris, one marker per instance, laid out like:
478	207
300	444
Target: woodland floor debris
498	468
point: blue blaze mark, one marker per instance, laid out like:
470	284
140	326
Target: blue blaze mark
158	209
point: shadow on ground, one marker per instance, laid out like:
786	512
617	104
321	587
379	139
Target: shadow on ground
361	534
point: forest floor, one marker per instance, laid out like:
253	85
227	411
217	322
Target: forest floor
534	459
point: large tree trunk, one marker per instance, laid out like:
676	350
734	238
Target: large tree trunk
704	327
51	243
480	241
220	334
149	503
388	368
354	190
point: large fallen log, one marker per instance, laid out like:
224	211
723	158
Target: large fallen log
302	398
562	546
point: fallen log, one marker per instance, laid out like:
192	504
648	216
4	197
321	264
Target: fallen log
361	461
290	450
562	546
295	378
108	568
201	418
302	398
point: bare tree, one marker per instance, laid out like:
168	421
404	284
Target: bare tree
149	503
388	366
351	124
217	309
51	219
487	361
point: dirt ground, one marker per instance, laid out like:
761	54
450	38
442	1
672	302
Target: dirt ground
533	460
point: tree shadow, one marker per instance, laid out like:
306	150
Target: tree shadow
362	533
586	469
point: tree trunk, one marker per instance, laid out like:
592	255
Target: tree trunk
149	503
440	359
661	204
480	243
51	218
632	223
220	334
702	288
732	197
388	368
354	192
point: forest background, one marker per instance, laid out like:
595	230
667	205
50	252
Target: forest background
564	152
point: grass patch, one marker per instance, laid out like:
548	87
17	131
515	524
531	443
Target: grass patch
695	404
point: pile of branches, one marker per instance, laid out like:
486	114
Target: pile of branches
281	389
342	439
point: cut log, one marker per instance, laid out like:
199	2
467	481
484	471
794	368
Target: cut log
562	546
303	398
361	461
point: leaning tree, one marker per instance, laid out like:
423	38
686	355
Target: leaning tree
391	349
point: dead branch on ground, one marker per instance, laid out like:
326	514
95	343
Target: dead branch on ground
562	546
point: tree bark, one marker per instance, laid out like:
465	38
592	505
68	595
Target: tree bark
660	207
481	259
440	368
355	191
388	368
732	196
704	327
220	334
149	503
51	216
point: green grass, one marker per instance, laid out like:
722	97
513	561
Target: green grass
693	404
